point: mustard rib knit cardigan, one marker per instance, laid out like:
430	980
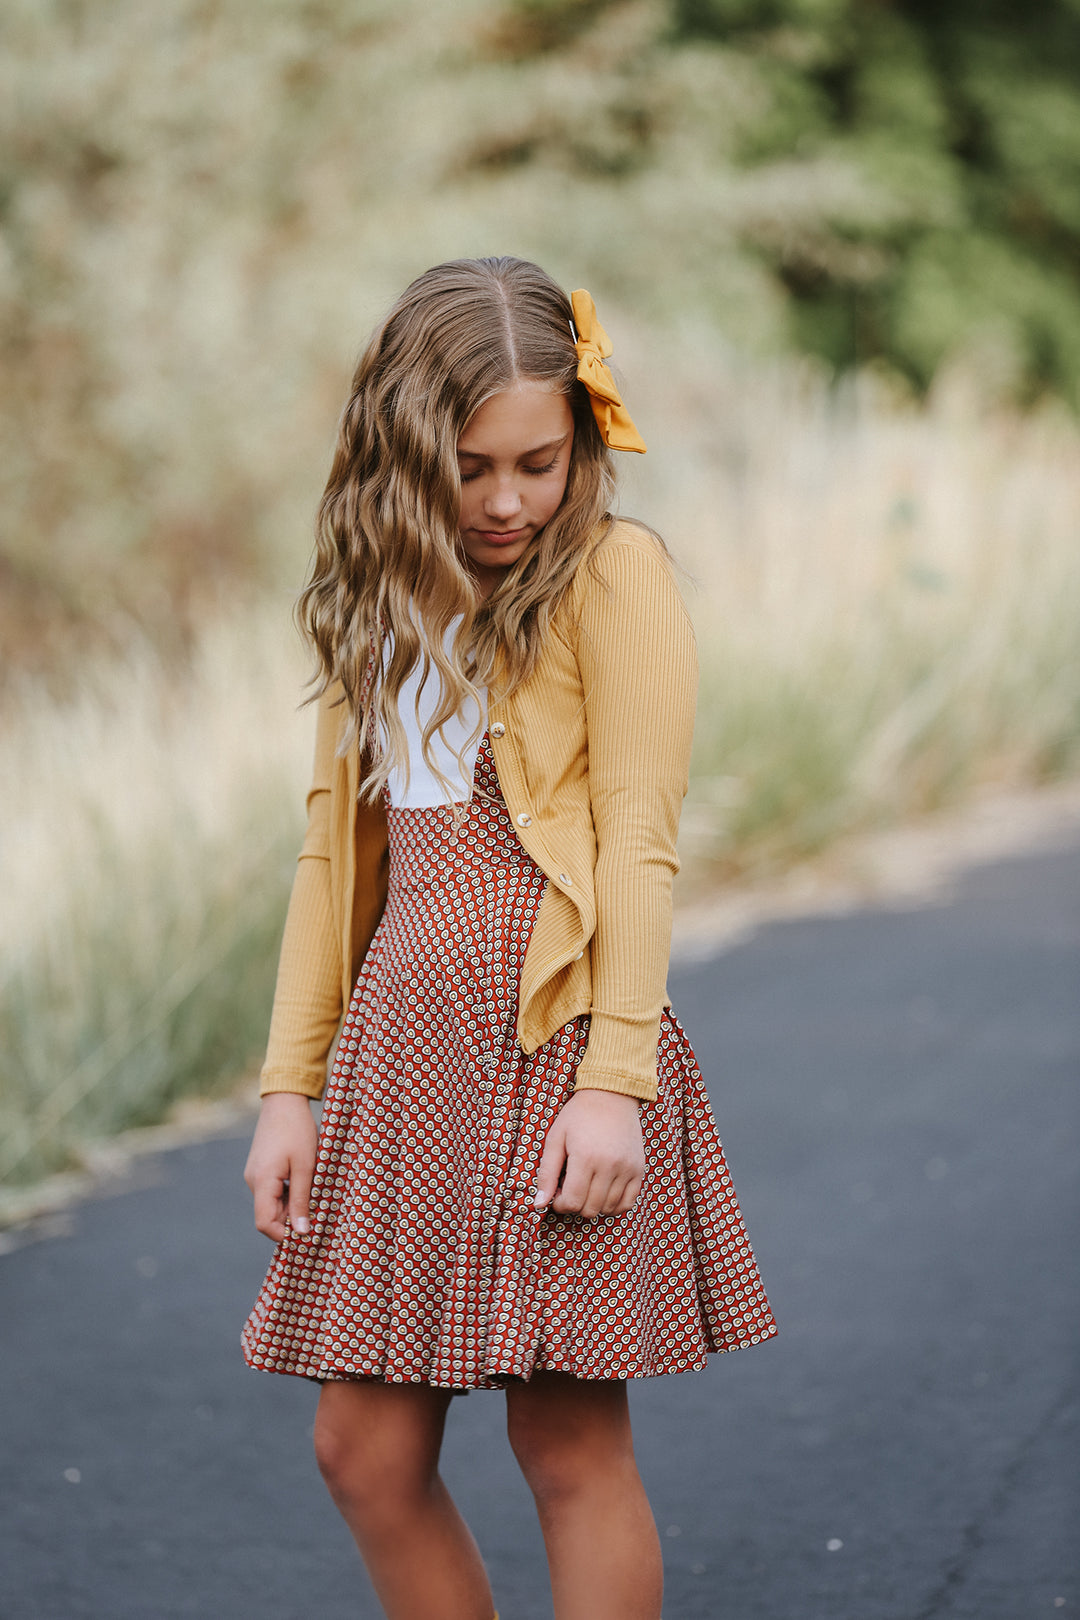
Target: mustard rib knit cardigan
592	754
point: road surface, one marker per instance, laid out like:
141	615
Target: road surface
897	1093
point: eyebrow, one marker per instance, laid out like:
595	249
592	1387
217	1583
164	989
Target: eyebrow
539	450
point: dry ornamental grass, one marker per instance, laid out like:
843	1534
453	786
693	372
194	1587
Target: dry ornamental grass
886	600
205	209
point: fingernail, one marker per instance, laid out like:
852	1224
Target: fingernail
302	1225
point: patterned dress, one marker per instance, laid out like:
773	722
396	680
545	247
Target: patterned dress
427	1262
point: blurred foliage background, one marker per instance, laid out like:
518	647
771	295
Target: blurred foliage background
205	203
838	245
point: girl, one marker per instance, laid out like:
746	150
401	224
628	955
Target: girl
518	1182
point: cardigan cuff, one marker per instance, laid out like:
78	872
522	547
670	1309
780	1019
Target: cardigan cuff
303	1083
601	1080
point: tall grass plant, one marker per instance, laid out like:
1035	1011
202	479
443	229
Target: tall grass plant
886	597
886	593
148	830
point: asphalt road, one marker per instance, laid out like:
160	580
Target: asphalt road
897	1093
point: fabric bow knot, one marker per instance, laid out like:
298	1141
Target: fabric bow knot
593	346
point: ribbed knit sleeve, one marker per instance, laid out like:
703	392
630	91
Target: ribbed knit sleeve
308	997
638	663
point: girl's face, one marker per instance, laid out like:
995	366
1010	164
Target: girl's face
514	458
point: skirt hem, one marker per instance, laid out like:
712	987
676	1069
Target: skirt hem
331	1374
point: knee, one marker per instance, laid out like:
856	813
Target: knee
370	1480
553	1464
335	1452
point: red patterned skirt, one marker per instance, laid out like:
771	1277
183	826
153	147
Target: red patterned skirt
426	1261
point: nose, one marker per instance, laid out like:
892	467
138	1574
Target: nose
504	502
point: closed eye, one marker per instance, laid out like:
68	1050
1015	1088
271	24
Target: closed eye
534	472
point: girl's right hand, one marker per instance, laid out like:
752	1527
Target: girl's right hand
281	1164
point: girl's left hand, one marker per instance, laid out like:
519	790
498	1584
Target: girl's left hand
595	1146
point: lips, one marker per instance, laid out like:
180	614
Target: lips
497	538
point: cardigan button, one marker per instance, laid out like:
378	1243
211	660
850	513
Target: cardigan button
564	877
524	820
498	729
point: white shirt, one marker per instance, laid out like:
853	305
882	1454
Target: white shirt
416	708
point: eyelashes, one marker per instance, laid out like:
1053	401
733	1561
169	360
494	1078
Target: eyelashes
534	472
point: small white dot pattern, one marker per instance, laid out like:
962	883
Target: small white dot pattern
426	1261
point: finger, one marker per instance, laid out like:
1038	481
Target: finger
577	1180
613	1199
552	1161
599	1194
622	1195
630	1194
300	1197
270	1208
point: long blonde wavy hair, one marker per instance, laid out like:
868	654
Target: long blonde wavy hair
389	575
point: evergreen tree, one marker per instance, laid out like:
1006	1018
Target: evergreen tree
966	115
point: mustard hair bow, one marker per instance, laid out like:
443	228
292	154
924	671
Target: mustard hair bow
593	347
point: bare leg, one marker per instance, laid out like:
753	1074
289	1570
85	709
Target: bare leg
572	1439
378	1448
